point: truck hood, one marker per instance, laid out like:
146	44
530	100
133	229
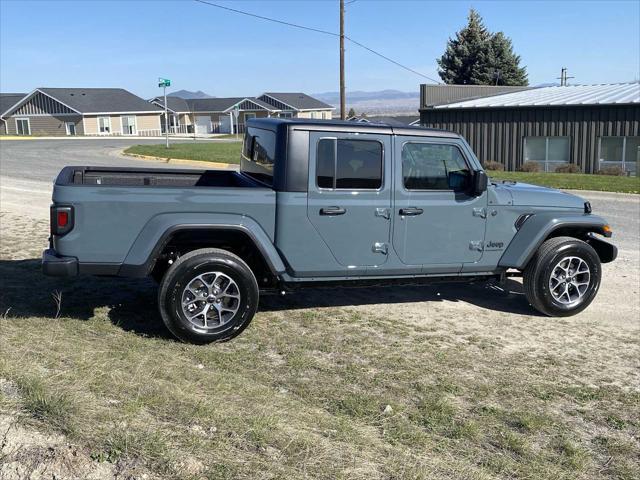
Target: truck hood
534	195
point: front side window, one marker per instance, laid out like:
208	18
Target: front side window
22	126
428	166
349	164
549	152
104	125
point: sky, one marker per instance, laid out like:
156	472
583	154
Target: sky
130	44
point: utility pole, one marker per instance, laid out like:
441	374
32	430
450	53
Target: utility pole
342	93
563	77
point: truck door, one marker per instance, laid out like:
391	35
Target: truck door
349	196
435	225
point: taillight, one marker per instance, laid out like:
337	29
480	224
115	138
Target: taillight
61	219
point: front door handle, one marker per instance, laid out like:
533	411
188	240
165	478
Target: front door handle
332	211
411	211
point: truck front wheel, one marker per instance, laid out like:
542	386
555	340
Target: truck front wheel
208	295
563	277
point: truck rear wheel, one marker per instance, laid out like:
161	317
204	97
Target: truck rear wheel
563	277
208	295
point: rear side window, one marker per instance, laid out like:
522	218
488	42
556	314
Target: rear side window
426	166
349	164
258	154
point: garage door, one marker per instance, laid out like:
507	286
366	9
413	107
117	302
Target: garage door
203	124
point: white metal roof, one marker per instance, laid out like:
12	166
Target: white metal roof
607	94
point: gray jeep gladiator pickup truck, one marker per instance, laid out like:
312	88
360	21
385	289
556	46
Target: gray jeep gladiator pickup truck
320	203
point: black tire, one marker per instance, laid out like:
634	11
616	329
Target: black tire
537	276
185	271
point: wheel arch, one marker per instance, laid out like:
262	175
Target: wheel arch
540	227
153	241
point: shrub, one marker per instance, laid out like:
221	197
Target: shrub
490	165
530	167
568	168
615	171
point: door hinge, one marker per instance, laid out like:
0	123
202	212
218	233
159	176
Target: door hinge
480	212
380	247
476	245
383	212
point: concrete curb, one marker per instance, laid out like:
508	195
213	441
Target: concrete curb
180	161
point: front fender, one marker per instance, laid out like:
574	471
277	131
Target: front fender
537	228
158	230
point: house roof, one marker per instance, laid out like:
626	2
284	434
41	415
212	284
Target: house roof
175	104
606	94
223	104
394	120
99	100
299	101
8	100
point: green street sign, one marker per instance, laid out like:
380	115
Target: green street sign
164	82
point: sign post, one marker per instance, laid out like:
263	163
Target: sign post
164	83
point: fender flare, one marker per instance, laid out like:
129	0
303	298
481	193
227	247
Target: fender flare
539	226
158	231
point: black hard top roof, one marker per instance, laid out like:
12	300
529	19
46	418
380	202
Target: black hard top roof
347	126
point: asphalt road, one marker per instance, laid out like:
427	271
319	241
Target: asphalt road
42	160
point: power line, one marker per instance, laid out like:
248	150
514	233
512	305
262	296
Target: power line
317	30
326	32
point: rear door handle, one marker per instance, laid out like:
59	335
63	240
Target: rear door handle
332	211
411	211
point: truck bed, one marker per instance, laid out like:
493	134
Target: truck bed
117	209
158	177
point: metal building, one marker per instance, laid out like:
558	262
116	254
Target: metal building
592	126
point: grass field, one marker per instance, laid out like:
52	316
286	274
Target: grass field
405	383
223	152
573	181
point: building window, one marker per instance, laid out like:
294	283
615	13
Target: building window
286	114
326	115
315	114
23	127
247	116
426	166
71	128
349	164
128	125
621	151
549	152
104	125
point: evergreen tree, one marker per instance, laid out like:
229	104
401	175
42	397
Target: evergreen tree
477	57
352	113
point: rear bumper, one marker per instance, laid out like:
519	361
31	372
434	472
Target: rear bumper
54	265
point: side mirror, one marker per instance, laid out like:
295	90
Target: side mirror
480	181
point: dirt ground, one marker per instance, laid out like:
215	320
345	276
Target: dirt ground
601	344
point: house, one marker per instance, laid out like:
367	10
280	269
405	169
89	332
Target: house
591	126
229	115
297	105
7	100
393	120
81	111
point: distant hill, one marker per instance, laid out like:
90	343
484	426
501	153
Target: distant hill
186	94
379	102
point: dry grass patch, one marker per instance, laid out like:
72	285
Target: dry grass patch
394	391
